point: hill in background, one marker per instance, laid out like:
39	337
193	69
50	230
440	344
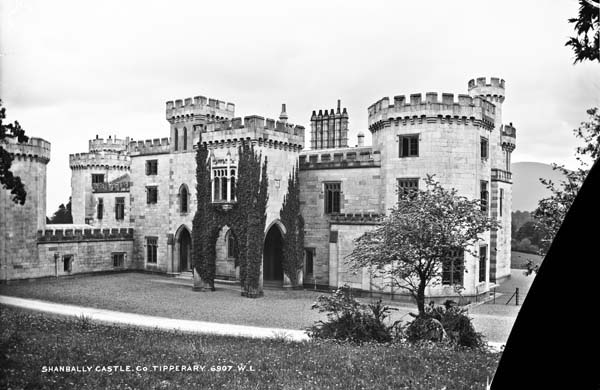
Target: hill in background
527	189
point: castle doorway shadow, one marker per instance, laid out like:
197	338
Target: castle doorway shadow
184	249
273	256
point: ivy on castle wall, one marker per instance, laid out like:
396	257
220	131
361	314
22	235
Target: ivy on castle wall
293	246
246	219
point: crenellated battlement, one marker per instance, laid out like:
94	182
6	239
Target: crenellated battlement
108	145
199	105
493	90
265	132
66	235
36	149
99	159
150	146
339	158
464	108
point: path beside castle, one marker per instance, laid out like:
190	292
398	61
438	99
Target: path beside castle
493	326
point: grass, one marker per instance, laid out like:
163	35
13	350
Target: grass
164	296
518	260
31	341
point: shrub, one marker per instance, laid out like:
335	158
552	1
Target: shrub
455	322
348	319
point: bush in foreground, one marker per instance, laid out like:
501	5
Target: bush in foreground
348	319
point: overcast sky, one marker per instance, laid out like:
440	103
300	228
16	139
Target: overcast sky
74	69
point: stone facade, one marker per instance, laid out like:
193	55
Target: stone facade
147	189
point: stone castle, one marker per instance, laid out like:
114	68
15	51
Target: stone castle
133	201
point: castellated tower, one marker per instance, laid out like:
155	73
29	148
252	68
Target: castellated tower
501	145
188	118
106	161
19	223
329	129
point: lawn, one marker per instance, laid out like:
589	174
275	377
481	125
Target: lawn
518	260
31	343
163	296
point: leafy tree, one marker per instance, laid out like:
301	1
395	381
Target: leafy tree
63	214
413	243
552	210
7	179
587	28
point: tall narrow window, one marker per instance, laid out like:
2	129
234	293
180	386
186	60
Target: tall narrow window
231	245
407	186
185	138
484	194
453	267
232	184
183	199
484	148
151	249
482	263
332	197
501	201
151	194
119	208
409	145
309	257
176	140
100	210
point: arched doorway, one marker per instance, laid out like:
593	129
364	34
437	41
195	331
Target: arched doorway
273	255
184	244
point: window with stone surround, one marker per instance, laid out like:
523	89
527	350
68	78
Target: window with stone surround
482	263
119	208
97	178
100	209
309	258
407	186
151	249
453	267
183	199
118	259
501	201
484	148
484	196
231	245
176	140
151	167
223	184
332	197
408	145
151	194
185	138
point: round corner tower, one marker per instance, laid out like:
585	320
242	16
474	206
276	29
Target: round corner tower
107	160
19	223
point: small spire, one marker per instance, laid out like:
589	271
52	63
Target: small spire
283	117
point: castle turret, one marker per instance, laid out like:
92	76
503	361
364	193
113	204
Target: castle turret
19	223
107	159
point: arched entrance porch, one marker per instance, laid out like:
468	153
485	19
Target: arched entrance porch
273	254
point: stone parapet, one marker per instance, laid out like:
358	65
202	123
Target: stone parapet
110	187
199	105
35	149
340	158
62	235
99	159
492	91
356	219
108	145
501	175
150	146
466	109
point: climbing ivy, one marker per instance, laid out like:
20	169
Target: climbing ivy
246	218
293	246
